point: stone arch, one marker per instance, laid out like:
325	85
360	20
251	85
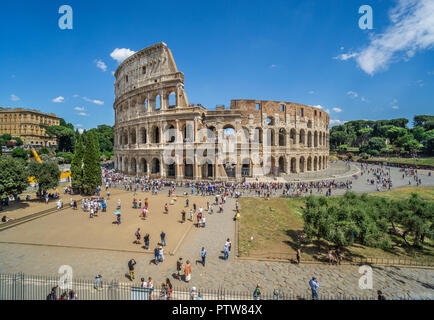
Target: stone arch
155	134
133	135
315	139
282	165
293	165
282	137
293	136
207	169
302	138
309	164
156	166
133	166
171	134
315	163
301	164
144	165
157	100
309	139
143	135
171	99
246	168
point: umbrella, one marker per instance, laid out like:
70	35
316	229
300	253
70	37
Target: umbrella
117	212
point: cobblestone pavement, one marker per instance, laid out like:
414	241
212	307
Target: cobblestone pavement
234	274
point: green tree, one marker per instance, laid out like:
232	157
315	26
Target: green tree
13	176
91	164
46	173
395	132
77	165
65	137
19	153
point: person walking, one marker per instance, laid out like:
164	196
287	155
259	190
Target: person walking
146	240
314	285
203	255
163	238
380	295
298	255
183	216
187	271
226	252
156	255
257	292
138	236
228	244
131	265
178	268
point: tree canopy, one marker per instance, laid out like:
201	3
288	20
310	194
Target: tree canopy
13	176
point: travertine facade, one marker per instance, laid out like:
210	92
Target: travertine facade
283	137
29	125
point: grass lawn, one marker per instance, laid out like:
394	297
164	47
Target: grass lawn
276	227
420	161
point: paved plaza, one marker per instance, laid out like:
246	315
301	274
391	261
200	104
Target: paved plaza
233	274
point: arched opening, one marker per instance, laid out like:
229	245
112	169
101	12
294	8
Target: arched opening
315	164
143	135
211	134
172	100
270	121
171	170
207	169
133	136
133	166
302	138
301	165
229	168
144	165
282	137
171	133
156	135
155	166
125	138
293	165
293	136
126	165
309	139
315	139
309	164
245	168
309	124
188	170
157	102
120	167
282	165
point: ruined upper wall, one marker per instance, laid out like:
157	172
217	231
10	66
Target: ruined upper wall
148	66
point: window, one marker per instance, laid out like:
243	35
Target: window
143	70
301	112
315	113
282	107
257	106
126	79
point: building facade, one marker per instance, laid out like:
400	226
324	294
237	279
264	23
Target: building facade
160	134
29	125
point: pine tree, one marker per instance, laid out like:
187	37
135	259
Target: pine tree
77	165
91	164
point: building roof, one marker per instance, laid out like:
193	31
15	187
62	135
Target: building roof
3	109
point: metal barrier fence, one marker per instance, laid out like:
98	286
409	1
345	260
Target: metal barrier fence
29	287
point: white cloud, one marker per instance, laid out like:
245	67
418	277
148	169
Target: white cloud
394	101
411	30
78	125
75	96
79	108
342	48
336	122
80	130
318	106
14	98
337	109
363	99
352	94
101	65
84	114
273	66
345	56
93	101
311	92
121	54
395	107
58	99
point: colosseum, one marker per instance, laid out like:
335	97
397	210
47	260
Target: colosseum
158	133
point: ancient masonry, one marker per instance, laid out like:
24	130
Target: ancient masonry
154	120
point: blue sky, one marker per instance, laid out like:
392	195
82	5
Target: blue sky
310	52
